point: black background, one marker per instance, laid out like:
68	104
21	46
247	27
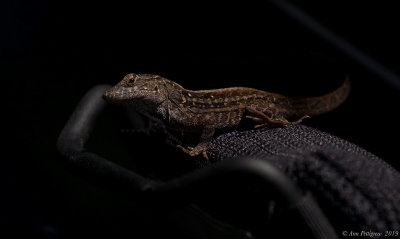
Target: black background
53	52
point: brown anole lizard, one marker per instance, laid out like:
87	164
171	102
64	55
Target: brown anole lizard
208	111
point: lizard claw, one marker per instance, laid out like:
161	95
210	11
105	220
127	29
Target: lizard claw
194	151
205	155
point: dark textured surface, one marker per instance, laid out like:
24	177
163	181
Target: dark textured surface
355	188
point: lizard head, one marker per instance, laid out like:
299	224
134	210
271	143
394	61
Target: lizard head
134	88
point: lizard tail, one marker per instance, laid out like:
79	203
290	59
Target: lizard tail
321	104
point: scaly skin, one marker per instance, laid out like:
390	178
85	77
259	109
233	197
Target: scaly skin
206	111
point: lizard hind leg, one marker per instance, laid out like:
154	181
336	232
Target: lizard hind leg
264	121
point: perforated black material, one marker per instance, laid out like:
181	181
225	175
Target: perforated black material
355	188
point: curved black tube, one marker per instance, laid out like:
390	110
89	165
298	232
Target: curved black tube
79	126
200	184
75	134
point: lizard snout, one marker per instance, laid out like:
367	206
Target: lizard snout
112	95
107	96
118	94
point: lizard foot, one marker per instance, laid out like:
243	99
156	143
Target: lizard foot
194	151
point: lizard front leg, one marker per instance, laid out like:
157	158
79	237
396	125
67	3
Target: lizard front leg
264	120
201	147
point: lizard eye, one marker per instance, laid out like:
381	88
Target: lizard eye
131	81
